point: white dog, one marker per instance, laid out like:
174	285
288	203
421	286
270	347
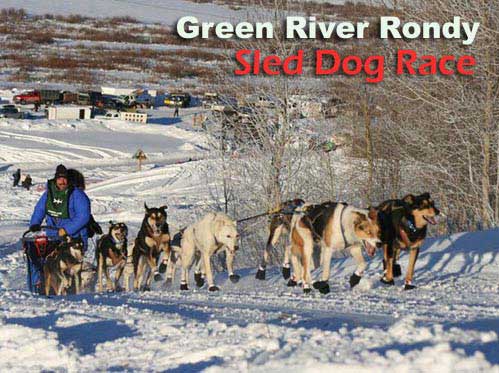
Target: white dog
214	232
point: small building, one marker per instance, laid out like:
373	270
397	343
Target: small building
134	117
69	112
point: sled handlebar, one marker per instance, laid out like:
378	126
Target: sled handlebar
41	227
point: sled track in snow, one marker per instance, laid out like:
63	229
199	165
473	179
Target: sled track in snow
100	152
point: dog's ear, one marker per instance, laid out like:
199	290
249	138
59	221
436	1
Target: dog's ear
373	213
425	195
147	208
111	223
163	209
409	199
359	217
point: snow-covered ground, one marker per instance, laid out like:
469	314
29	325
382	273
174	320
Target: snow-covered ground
449	323
165	12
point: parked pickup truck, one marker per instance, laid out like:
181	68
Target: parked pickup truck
43	96
27	98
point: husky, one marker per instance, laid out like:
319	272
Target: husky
280	223
214	232
62	266
111	251
153	239
404	226
334	227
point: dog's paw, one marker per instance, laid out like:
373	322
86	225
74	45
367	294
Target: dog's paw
291	283
387	282
213	288
168	282
157	277
318	284
162	267
286	272
409	286
183	287
354	280
322	286
260	274
198	279
397	271
146	288
234	278
325	289
306	290
119	289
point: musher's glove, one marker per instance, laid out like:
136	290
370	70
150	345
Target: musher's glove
35	228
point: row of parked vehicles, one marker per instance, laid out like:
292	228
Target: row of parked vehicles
133	100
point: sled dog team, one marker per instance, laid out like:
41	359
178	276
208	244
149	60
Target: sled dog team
331	226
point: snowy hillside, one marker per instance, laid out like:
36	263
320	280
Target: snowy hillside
449	323
166	12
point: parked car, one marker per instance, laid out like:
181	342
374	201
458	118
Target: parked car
108	115
178	99
11	111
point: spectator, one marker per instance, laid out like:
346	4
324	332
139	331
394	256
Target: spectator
17	177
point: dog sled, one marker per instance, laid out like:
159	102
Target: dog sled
37	247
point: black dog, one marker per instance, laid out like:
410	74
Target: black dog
111	251
404	226
152	239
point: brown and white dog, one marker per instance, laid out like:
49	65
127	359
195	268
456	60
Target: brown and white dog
63	266
111	253
214	232
335	227
280	223
153	239
404	225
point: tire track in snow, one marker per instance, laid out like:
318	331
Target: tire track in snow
138	178
102	153
37	155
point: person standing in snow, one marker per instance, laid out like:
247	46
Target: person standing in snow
65	209
27	182
17	177
175	113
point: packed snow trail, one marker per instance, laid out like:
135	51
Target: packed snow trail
449	323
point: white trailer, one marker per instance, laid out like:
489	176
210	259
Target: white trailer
69	112
117	91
